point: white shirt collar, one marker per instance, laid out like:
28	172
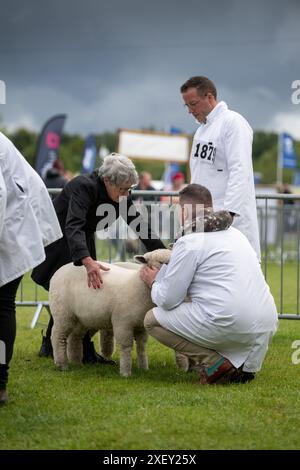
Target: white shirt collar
215	113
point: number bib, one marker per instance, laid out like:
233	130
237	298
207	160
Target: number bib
206	152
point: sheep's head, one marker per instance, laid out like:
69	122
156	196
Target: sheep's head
154	258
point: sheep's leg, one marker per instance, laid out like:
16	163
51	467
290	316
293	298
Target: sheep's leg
59	343
182	361
107	343
74	348
126	359
141	338
124	338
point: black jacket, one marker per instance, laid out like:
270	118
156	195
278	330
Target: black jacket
76	208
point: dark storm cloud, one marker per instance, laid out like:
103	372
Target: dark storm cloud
120	64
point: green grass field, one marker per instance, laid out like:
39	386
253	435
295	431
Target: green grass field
94	408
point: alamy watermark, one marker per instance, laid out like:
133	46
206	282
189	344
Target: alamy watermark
166	221
2	92
295	97
296	353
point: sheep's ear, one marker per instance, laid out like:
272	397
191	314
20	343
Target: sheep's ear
140	259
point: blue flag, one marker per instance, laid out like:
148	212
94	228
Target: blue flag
175	130
89	155
170	170
288	154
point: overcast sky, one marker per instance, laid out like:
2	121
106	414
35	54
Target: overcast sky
112	64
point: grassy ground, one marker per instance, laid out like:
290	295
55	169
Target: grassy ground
93	408
287	302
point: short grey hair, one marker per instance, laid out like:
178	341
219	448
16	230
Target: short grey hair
118	169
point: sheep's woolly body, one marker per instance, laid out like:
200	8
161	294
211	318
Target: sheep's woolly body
70	283
120	305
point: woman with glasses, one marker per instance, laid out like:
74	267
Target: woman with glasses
88	203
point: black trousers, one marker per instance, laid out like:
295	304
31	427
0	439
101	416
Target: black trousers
7	327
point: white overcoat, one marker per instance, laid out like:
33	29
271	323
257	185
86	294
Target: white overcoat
221	160
28	220
231	310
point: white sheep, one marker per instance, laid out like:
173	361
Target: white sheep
119	306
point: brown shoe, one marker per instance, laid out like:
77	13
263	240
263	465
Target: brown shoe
3	397
219	373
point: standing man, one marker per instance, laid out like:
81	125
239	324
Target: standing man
221	156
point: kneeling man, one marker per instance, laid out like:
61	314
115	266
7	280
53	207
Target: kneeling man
231	316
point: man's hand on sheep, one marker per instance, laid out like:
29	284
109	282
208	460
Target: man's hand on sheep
93	272
148	274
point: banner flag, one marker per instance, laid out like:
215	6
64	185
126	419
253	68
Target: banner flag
171	168
288	154
48	144
175	130
89	154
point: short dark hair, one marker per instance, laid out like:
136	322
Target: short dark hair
195	194
203	84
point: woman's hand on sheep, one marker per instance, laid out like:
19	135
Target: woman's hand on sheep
148	274
93	272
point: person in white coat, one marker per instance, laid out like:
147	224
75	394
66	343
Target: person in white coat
227	324
221	155
28	223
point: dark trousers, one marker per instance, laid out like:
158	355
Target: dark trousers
7	327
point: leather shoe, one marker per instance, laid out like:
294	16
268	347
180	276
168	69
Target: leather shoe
46	347
90	356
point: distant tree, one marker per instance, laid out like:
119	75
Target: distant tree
72	147
266	164
25	141
71	151
108	140
263	141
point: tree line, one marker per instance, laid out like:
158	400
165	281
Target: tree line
71	151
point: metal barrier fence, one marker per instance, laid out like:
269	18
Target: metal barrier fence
279	226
